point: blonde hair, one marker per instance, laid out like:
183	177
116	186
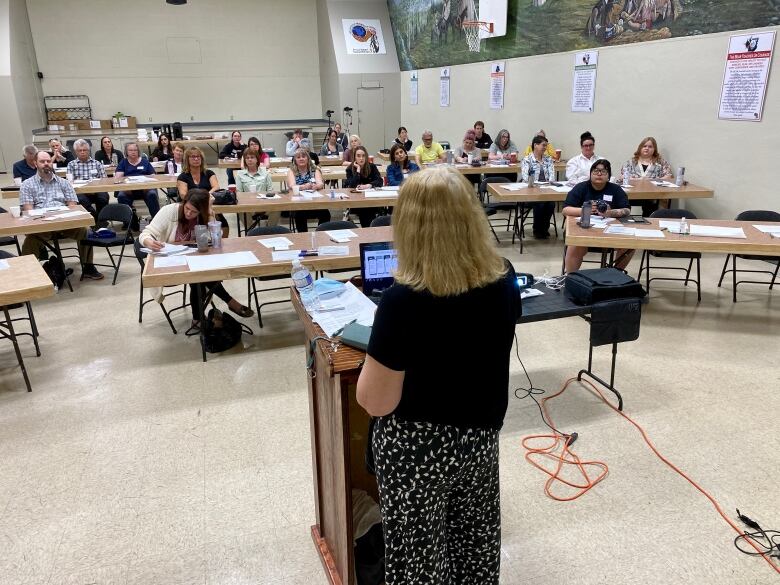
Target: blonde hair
638	150
310	166
442	236
186	159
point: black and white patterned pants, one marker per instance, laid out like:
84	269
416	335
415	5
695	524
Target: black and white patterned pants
439	496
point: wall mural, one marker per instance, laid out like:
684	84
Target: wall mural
428	32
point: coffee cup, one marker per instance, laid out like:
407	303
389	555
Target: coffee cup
513	158
557	154
371	159
232	188
470	157
296	190
18	181
16	211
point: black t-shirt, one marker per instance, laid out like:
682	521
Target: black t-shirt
160	155
454	351
584	191
407	145
484	142
67	155
230	150
205	180
101	156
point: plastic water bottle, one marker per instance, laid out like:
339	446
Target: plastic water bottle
585	217
685	229
171	167
531	176
305	284
626	177
680	176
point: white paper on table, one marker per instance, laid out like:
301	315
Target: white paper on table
600	222
278	242
266	197
80	182
561	189
377	194
391	188
3	265
648	233
333	250
65	215
308	194
513	186
665	184
768	229
354	305
285	255
169	261
717	231
170	250
672	226
530	292
216	261
620	230
140	179
341	234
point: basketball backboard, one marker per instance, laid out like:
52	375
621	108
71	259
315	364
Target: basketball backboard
493	11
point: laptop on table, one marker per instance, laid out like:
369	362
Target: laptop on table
378	261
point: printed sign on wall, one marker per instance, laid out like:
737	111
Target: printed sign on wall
363	36
744	80
497	71
583	88
413	88
444	87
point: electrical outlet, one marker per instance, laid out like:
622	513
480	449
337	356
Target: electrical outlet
192	118
231	116
150	118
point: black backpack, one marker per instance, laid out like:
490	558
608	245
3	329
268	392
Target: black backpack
55	269
221	331
585	287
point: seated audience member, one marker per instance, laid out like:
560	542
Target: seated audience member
596	189
195	175
305	174
332	147
429	151
85	168
176	224
469	148
297	141
45	189
343	137
107	155
232	149
543	167
502	147
254	145
134	165
60	156
177	156
400	167
255	179
550	150
403	139
363	175
481	138
578	167
164	151
439	498
354	142
25	168
647	163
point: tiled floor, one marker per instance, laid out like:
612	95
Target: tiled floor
134	463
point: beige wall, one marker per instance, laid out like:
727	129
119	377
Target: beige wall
667	89
256	60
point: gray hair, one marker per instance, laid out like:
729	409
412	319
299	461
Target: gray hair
427	132
79	143
30	149
129	144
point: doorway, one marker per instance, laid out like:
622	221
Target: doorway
371	118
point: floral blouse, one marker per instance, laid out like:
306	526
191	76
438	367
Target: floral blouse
655	170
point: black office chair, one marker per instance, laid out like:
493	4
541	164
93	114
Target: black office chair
757	215
10	240
30	317
342	224
644	264
382	221
252	291
141	257
445	144
113	212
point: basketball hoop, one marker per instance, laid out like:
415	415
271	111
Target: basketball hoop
471	29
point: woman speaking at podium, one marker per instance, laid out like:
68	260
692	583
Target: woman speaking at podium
437	376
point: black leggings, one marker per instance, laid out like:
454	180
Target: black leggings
212	288
302	218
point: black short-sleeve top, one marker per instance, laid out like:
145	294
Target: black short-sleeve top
204	183
611	193
454	351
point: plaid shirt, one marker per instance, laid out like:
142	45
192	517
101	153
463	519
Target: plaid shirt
39	193
82	171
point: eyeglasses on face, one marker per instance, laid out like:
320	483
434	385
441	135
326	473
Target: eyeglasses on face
598	172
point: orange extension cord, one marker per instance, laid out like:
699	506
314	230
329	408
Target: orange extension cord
567	458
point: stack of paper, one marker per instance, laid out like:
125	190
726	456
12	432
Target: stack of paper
170	250
170	261
277	243
377	193
768	229
620	230
350	306
217	261
339	234
717	231
285	255
140	179
648	233
3	265
65	215
665	184
333	250
513	186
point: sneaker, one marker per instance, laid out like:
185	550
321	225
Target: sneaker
91	273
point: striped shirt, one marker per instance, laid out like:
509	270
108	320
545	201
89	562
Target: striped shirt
86	170
39	193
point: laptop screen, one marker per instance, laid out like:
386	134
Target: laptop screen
378	261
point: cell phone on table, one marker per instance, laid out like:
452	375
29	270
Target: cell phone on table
270	194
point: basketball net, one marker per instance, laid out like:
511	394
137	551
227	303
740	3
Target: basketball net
471	29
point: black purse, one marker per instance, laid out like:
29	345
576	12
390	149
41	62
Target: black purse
224	197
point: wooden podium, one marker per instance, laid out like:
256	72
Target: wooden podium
339	428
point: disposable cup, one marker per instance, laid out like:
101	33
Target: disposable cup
16	211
